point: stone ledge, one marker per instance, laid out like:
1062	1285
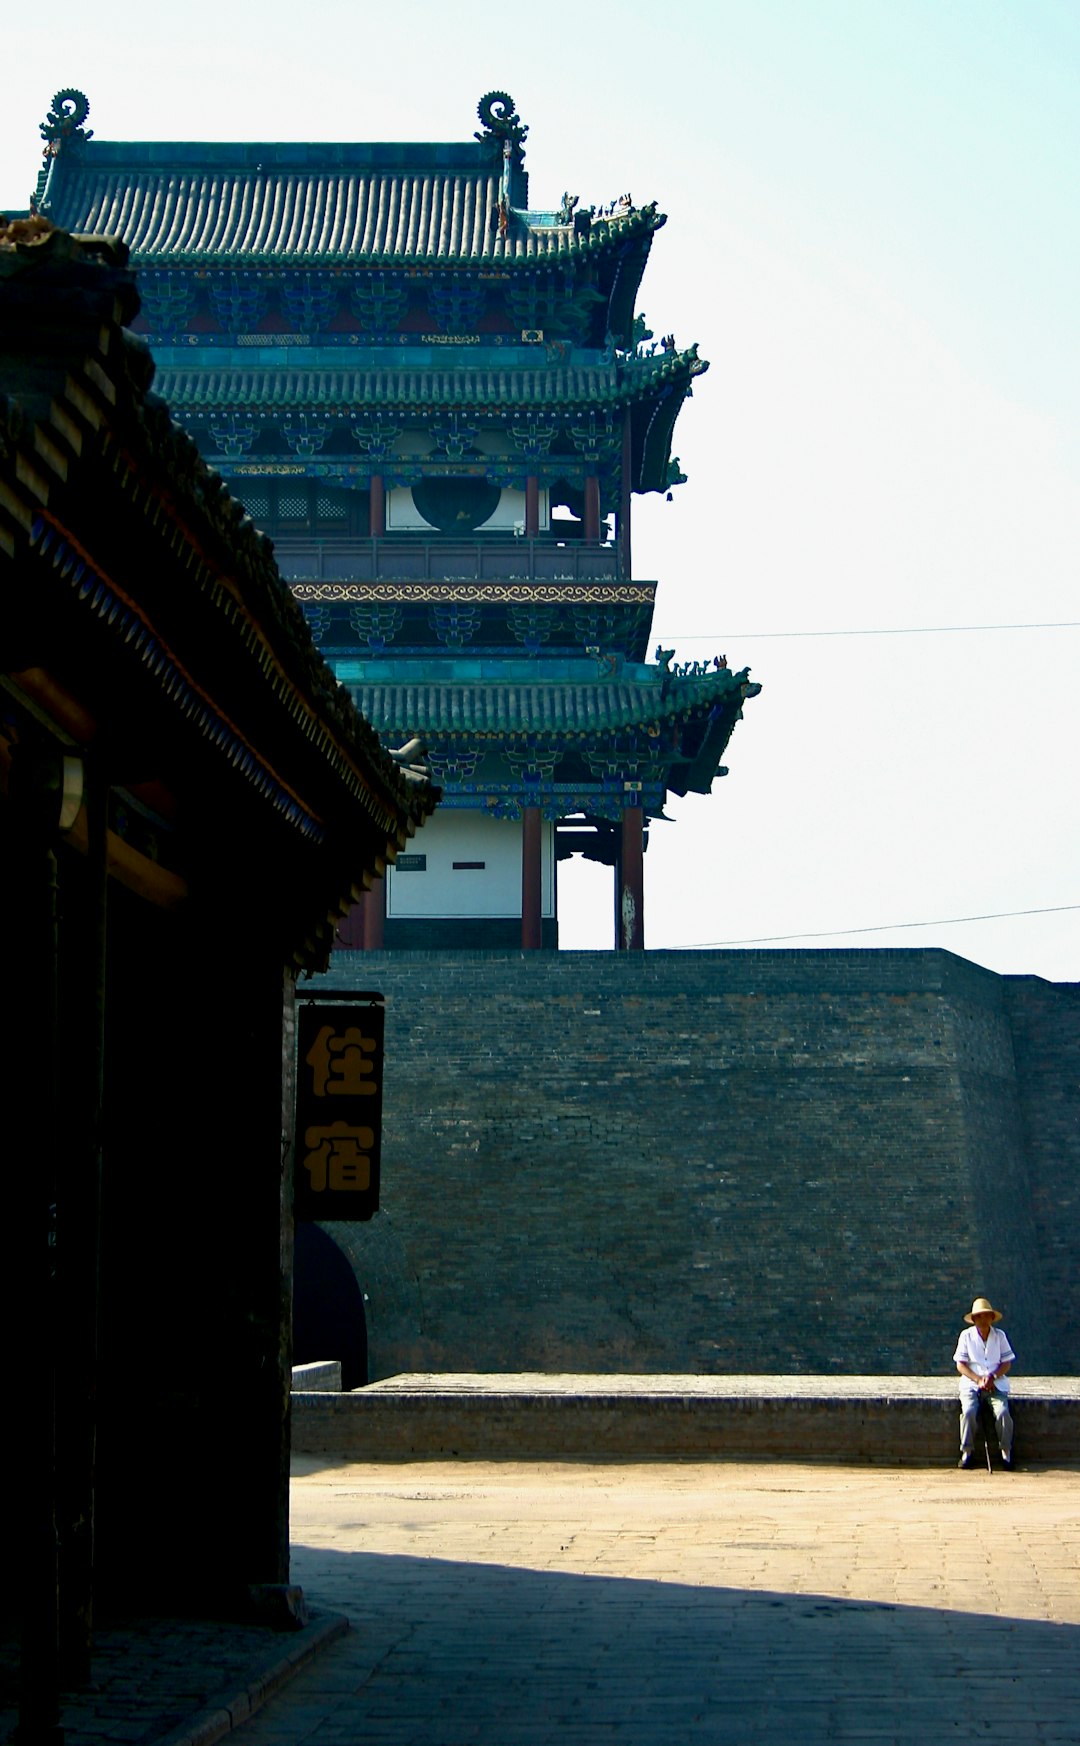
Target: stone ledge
320	1378
907	1421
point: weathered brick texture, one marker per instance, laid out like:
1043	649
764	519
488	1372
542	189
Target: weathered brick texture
1045	1019
716	1161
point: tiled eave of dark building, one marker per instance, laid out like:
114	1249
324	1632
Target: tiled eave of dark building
137	585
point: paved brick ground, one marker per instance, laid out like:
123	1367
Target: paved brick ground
499	1604
183	1681
506	1604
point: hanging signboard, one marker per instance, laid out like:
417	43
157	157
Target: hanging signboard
339	1073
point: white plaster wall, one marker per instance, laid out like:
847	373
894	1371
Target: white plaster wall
469	836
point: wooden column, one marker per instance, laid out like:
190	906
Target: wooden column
625	484
631	918
30	1071
532	506
374	916
531	839
79	1196
377	524
592	507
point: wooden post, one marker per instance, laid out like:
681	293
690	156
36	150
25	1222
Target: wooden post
592	508
79	1190
532	506
377	520
33	1073
631	936
374	916
625	485
531	837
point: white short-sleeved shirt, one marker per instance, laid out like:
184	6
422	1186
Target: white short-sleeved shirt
983	1359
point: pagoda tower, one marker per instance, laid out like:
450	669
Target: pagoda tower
436	402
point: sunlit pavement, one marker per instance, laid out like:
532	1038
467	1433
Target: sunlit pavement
511	1603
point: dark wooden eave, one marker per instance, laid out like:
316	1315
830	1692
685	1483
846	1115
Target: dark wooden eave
139	586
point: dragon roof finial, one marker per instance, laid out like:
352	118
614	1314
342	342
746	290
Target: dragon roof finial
63	126
501	122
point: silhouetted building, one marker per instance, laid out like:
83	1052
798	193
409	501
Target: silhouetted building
188	805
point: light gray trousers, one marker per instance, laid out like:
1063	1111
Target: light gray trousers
969	1412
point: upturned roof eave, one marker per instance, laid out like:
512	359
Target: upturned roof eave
628	382
502	257
550	710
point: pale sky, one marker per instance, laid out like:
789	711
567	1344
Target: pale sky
872	236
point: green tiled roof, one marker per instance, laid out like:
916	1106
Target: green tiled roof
331	205
555	709
555	385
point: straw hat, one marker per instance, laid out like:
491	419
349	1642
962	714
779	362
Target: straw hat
982	1307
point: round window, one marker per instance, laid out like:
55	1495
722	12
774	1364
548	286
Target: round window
456	505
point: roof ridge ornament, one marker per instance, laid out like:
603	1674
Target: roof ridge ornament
505	135
502	123
63	126
62	130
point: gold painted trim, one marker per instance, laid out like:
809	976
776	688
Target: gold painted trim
526	593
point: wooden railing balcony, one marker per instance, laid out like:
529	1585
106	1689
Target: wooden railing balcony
399	558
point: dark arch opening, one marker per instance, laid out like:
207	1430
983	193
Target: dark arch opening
328	1307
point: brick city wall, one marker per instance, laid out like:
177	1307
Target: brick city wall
715	1161
1045	1022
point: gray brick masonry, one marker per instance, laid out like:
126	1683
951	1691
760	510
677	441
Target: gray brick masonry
905	1421
717	1162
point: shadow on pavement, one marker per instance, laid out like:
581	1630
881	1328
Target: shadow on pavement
447	1654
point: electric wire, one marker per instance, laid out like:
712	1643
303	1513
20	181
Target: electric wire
948	921
879	631
903	630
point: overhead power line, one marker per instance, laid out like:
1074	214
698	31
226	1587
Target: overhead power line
903	630
948	921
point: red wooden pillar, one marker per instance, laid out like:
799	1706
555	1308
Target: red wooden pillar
592	507
374	915
532	506
531	839
625	484
377	523
631	916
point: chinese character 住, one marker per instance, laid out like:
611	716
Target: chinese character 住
340	1065
338	1156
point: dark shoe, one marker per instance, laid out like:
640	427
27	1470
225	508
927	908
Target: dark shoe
966	1460
1006	1460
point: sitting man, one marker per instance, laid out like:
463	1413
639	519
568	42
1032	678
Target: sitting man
984	1358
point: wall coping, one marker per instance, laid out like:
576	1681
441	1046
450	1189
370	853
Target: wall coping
728	1387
